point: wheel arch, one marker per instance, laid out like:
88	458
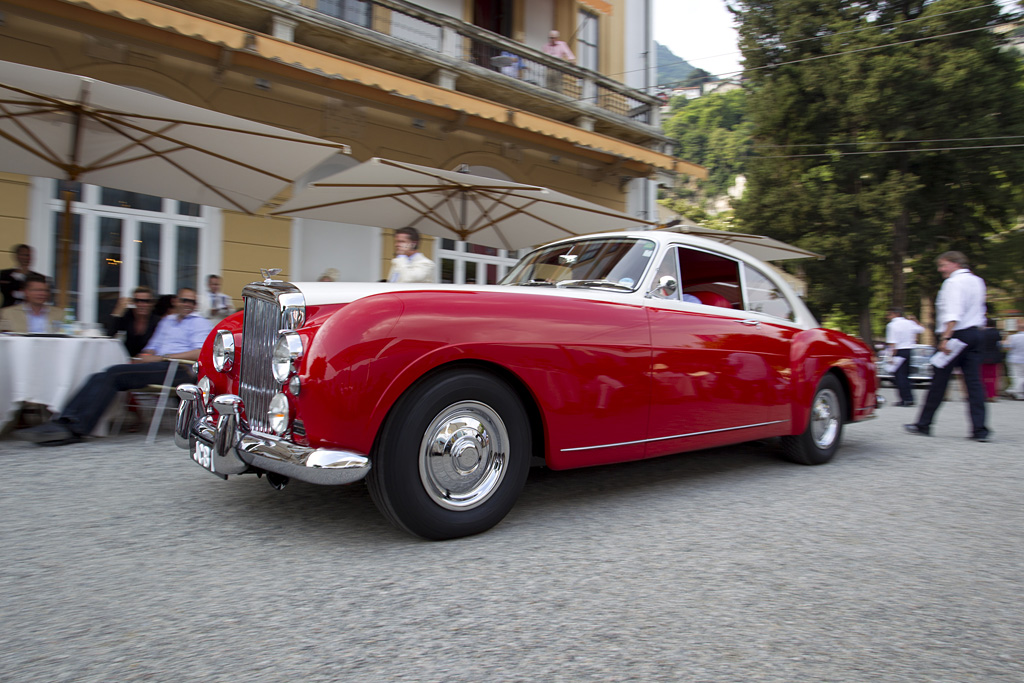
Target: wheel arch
844	382
526	398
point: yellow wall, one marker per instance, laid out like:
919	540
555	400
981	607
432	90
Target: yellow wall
251	243
14	192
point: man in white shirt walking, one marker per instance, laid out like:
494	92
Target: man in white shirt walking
960	315
900	338
1014	345
409	265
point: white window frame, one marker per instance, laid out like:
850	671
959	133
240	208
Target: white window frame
461	256
44	204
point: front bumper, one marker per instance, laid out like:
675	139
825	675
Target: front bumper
236	449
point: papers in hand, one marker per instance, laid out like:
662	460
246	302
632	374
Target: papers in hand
953	347
894	363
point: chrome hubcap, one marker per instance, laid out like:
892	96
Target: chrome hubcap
825	419
463	455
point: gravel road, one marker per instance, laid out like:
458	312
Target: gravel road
899	561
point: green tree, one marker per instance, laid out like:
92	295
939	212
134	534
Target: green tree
841	167
713	131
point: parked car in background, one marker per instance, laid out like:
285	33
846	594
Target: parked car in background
921	369
593	350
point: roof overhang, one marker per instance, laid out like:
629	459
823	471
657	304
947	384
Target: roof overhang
259	51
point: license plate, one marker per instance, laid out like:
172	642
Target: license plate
203	455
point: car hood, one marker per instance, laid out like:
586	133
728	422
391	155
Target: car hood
325	293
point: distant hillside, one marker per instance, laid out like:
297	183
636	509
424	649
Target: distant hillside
672	69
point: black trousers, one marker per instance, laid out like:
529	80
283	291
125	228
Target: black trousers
969	362
87	406
902	377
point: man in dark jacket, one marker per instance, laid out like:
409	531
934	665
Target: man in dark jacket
12	280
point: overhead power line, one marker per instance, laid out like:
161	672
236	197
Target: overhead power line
888	151
890	142
804	40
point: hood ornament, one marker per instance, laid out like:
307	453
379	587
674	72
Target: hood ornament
268	274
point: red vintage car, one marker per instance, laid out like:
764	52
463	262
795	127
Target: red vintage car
594	350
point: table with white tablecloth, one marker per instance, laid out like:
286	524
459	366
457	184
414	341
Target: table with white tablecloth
48	370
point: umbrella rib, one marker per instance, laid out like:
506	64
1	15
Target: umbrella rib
410	200
427	210
60	104
181	168
52	157
114	122
212	126
341	202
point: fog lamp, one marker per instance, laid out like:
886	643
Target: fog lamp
278	415
206	390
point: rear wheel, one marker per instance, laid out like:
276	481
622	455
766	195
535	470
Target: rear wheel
819	442
453	456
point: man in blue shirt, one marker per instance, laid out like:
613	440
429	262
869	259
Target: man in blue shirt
179	336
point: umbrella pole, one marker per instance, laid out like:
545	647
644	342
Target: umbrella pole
64	250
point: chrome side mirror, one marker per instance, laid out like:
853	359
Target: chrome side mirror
666	288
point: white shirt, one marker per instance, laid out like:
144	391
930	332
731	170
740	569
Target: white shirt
218	301
1015	348
902	333
415	268
961	298
37	324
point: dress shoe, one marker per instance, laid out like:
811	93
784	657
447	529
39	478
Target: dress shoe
914	429
980	439
904	404
47	434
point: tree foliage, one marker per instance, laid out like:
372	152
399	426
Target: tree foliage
713	131
887	154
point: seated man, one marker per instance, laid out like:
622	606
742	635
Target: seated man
34	316
179	336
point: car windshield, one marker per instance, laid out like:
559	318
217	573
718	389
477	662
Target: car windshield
614	263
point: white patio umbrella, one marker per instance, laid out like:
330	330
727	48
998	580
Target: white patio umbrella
759	246
59	125
459	206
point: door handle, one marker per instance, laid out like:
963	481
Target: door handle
750	323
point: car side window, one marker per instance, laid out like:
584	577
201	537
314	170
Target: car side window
708	278
763	296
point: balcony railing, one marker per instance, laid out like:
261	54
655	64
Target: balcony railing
445	35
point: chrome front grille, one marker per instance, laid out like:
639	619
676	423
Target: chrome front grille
257	385
269	309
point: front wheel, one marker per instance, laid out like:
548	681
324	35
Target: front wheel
452	457
819	442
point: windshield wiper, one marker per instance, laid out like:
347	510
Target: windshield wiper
535	283
595	283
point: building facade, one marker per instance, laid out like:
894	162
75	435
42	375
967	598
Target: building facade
443	83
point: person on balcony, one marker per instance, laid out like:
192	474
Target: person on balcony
559	49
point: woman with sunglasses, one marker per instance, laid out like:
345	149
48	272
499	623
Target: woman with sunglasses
138	322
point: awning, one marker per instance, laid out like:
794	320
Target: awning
250	48
597	5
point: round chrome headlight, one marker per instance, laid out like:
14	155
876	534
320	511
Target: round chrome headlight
223	351
278	415
287	351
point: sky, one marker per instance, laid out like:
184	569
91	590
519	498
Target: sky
699	31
